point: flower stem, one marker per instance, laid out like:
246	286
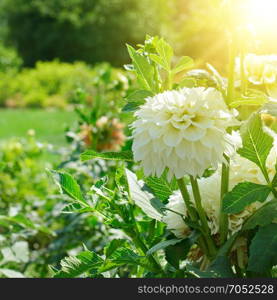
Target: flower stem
186	197
202	215
223	218
191	212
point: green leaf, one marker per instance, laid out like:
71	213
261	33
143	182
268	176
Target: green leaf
76	208
256	143
123	256
178	252
165	54
145	71
263	216
113	246
163	245
69	186
132	106
122	156
242	195
139	95
136	99
74	266
263	254
161	187
184	63
274	181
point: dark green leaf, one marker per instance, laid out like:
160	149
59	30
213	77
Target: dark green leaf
263	216
69	186
161	187
263	254
242	195
113	246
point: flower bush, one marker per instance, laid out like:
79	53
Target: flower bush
194	193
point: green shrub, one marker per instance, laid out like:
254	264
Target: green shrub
9	59
53	84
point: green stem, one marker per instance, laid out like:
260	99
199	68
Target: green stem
223	218
186	197
135	236
191	213
202	215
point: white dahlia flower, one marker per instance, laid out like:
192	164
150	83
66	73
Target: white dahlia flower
241	170
184	131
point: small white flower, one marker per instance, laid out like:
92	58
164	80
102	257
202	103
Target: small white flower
184	131
259	69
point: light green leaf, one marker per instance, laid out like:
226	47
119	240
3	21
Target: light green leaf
139	95
165	53
242	195
75	266
256	142
263	254
122	156
263	216
143	68
69	186
161	187
184	63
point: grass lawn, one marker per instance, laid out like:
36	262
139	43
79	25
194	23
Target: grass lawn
48	125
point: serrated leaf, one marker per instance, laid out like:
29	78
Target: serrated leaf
141	197
242	195
121	156
263	216
256	142
263	254
184	63
143	68
69	186
161	187
75	266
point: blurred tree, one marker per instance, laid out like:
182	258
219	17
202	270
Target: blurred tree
89	30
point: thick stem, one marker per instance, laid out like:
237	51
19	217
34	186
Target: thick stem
223	218
183	189
202	216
